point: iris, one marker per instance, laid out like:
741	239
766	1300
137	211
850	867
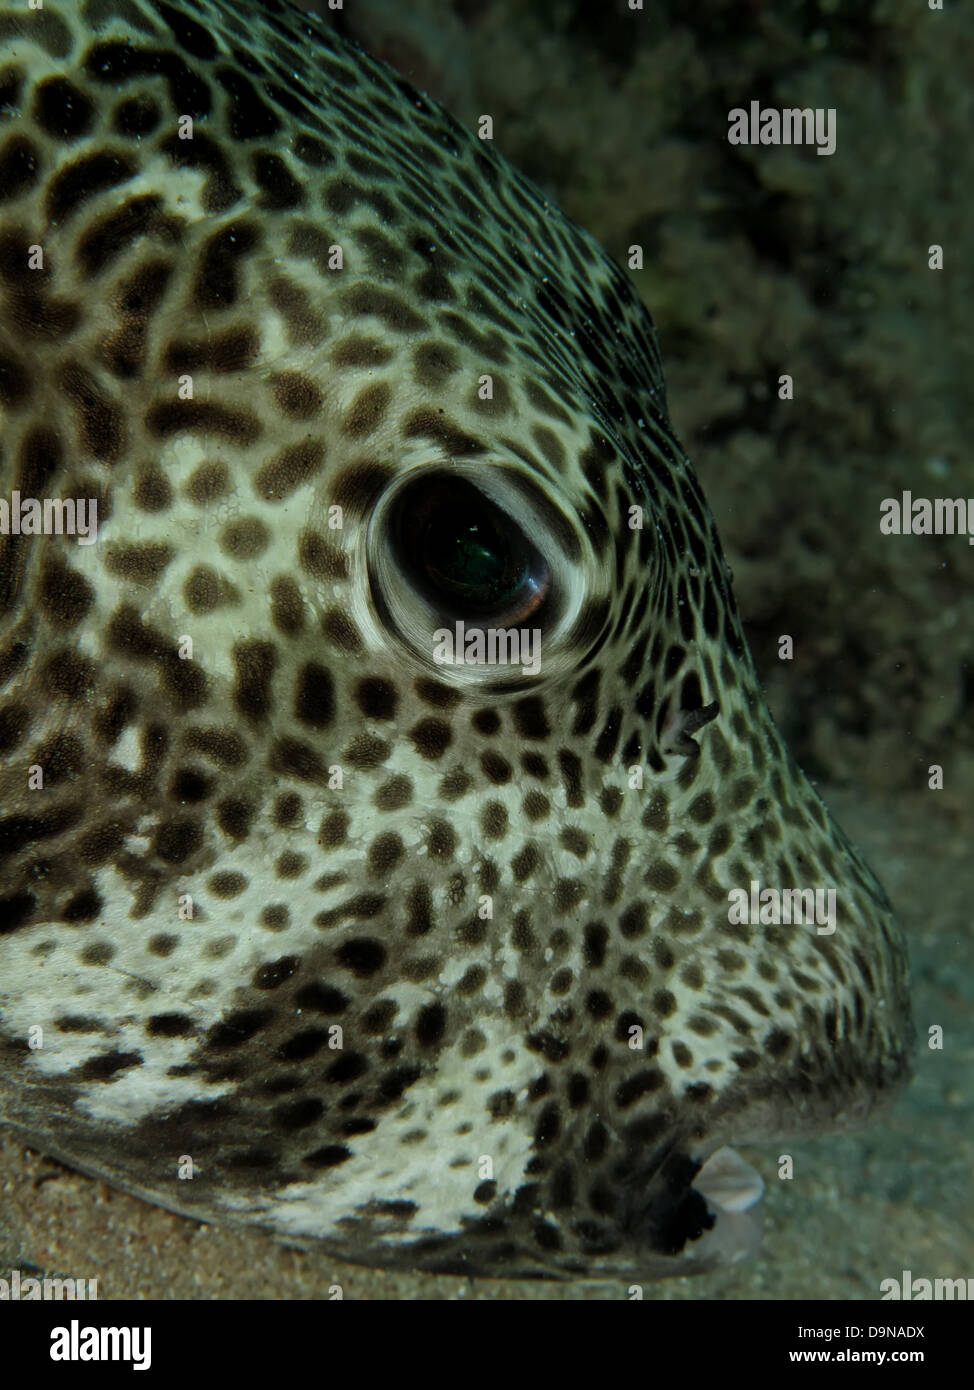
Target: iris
468	555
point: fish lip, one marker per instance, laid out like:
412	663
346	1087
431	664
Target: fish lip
728	1183
697	1209
732	1190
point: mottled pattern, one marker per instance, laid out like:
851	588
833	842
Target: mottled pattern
233	700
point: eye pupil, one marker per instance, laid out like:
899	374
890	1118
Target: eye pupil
471	561
466	555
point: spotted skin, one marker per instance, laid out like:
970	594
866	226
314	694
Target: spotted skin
430	963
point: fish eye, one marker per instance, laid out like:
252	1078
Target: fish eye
465	554
486	544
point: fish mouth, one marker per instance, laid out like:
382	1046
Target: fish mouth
697	1214
731	1190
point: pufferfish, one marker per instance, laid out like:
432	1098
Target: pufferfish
383	764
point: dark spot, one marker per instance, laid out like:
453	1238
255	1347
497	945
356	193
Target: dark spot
486	721
548	1125
376	697
431	1025
359	351
347	1068
525	862
272	974
141	563
244	539
97	953
296	759
363	957
62	756
16	383
152	491
429	424
166	418
334	830
303	1045
662	876
339	629
68	675
75	183
83	907
255	662
176	840
441	842
299	1114
237	1028
571	771
431	738
494	820
568	893
367	411
358	486
224	747
328	1157
320	558
137	116
394	793
287	606
279	189
395	1082
314	701
11	86
163	945
206	589
322	999
64	596
227	884
105	1066
290	865
434	363
250	117
366	751
310	150
188	33
635	1087
394	311
169	1026
100	419
234	817
217	283
596	938
118	230
530	718
633	921
296	395
419	906
495	768
15	910
385	852
19	167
